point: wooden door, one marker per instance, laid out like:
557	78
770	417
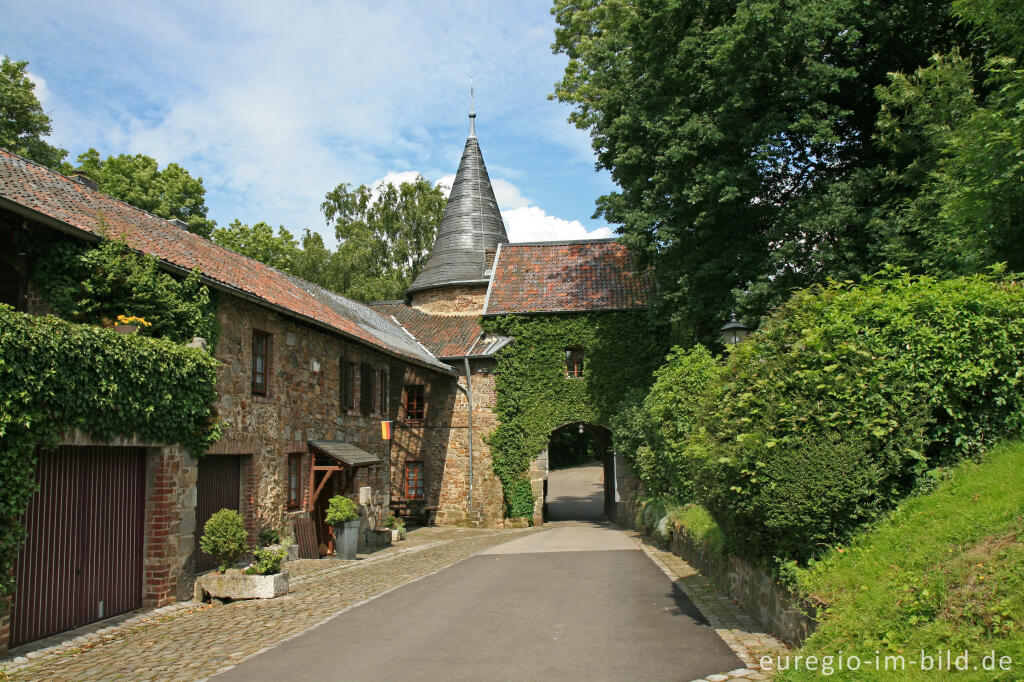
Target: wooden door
217	488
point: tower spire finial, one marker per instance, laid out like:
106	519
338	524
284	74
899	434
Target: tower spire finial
472	109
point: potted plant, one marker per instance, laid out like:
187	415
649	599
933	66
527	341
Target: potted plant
224	537
396	526
343	516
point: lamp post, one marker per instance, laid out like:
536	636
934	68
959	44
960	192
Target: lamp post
734	331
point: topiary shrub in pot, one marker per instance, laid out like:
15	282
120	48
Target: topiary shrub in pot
343	515
224	537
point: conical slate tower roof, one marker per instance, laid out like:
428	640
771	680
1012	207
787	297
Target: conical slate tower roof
471	225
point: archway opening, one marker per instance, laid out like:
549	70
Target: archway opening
579	485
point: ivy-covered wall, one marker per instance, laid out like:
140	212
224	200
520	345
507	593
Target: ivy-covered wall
534	396
56	376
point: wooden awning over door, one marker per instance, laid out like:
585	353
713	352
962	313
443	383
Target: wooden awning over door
344	457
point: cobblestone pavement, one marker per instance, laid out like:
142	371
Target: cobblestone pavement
741	632
194	641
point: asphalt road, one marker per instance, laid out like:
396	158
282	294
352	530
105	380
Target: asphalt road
578	601
576	493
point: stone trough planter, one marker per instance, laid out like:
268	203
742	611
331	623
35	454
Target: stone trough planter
237	585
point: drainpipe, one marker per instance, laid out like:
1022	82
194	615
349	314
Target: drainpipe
469	417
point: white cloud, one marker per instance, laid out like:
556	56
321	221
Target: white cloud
508	195
42	92
533	224
275	106
446	182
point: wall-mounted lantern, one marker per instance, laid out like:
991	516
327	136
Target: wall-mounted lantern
734	331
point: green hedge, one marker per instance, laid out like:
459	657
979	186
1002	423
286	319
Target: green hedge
847	398
534	397
56	376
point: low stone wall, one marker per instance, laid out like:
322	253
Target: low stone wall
771	604
757	592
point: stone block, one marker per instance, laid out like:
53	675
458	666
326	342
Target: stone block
236	585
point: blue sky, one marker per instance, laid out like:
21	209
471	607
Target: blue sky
274	104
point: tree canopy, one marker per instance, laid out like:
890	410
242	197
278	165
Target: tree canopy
23	122
384	236
745	140
137	179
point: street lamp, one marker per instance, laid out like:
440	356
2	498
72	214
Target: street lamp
734	331
581	427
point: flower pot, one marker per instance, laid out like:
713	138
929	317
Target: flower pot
395	535
126	328
237	585
346	539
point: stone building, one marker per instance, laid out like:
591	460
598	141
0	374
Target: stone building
307	376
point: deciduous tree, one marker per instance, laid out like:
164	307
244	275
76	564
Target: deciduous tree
23	122
137	179
742	136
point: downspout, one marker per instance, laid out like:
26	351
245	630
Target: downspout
469	419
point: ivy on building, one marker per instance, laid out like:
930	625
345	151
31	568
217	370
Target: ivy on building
56	376
535	397
95	284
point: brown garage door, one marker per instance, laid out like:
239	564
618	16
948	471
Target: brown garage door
218	488
82	560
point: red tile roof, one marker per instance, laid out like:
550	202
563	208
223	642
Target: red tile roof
578	276
49	195
446	336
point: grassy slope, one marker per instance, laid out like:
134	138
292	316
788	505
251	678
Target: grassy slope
945	571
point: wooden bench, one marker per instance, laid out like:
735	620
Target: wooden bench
414	512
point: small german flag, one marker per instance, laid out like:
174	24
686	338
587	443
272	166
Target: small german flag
385	430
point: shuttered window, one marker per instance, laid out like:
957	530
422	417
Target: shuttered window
366	388
380	403
348	386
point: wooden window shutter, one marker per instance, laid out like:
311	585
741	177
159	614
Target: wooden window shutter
348	382
366	388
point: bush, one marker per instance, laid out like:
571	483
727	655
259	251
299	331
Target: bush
848	395
394	522
267	561
339	510
655	433
848	398
224	537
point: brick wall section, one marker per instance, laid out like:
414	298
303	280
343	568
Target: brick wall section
168	564
456	300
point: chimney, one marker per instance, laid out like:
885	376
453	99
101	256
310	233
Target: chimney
84	180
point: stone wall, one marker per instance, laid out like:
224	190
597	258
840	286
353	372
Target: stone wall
303	403
454	300
487	509
770	603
